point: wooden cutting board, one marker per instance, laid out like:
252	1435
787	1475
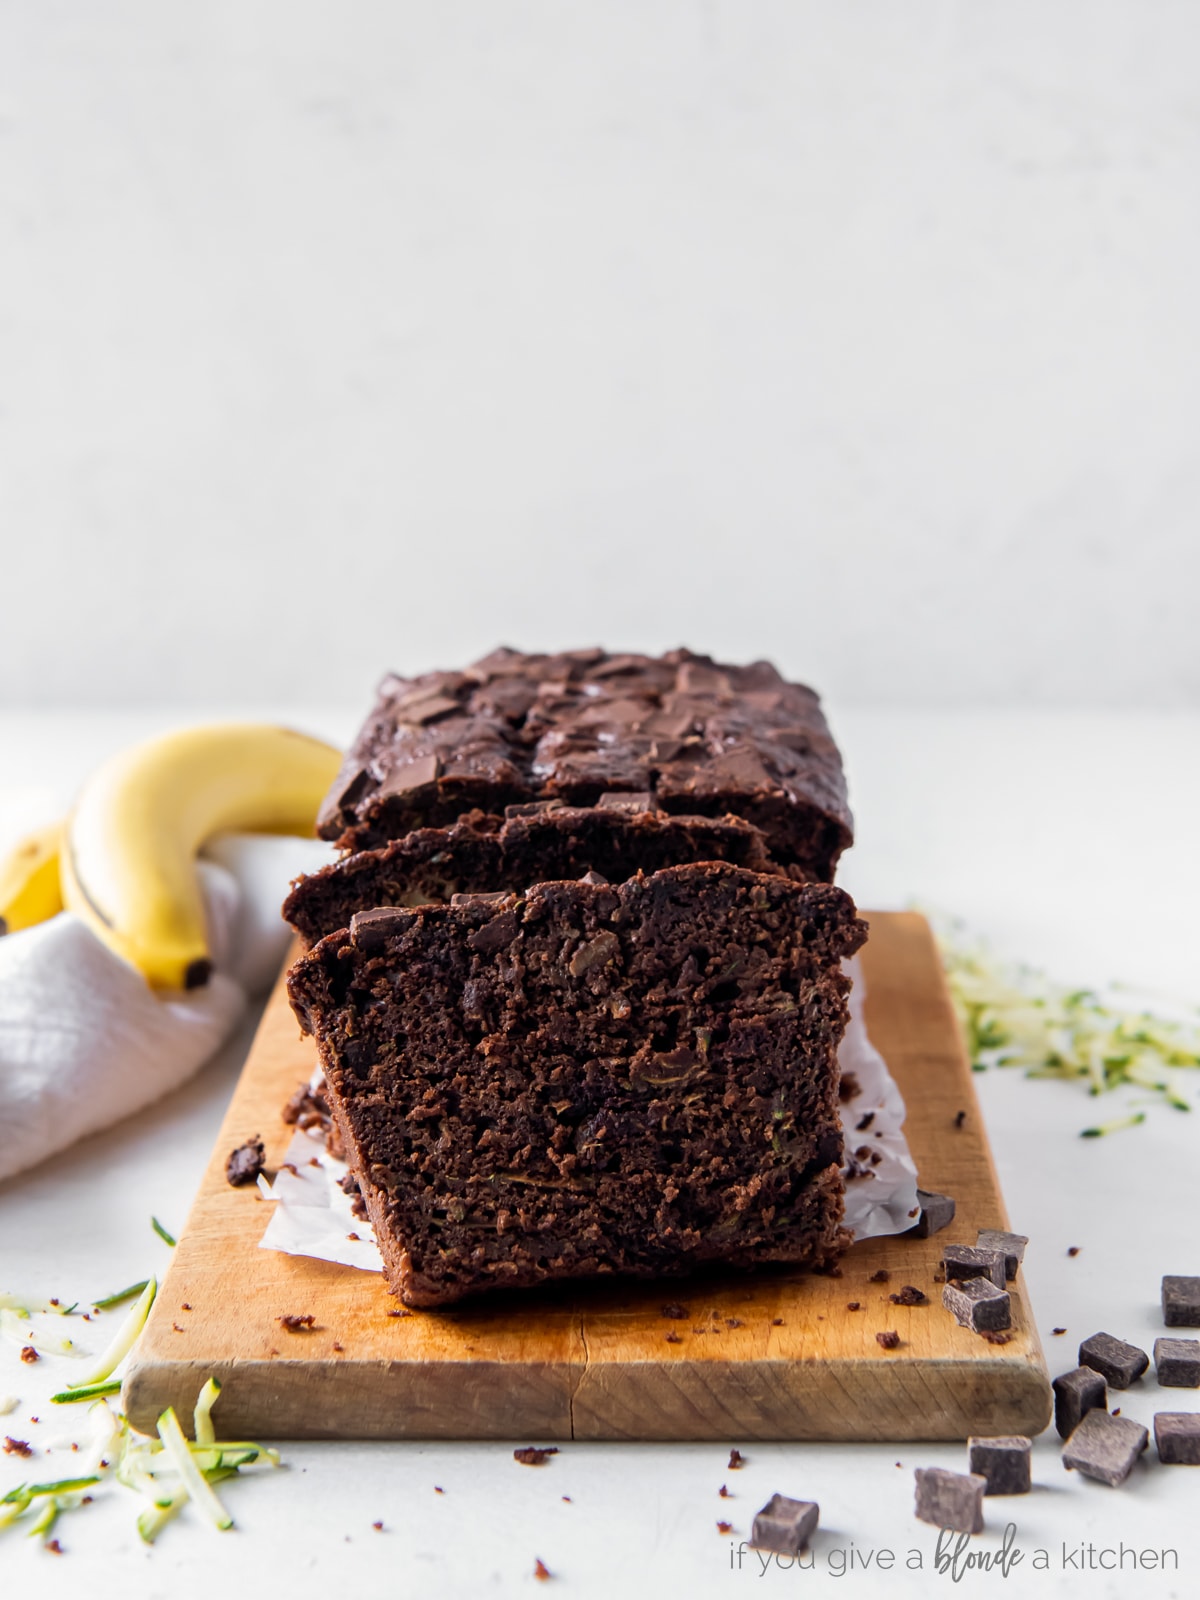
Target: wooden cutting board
774	1355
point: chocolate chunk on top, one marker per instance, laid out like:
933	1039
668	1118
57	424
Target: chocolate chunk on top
951	1500
1010	1245
1181	1301
1075	1394
245	1163
1177	1363
963	1261
371	930
977	1304
1119	1363
937	1212
1104	1447
532	1455
784	1526
1003	1461
681	732
1177	1437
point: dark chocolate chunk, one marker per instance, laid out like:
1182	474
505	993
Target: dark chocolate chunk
348	789
1003	1461
1104	1447
1181	1301
1010	1245
1177	1363
408	776
889	1339
951	1500
532	1455
1075	1394
1117	1362
963	1261
294	1323
532	808
245	1163
429	710
784	1526
497	934
1177	1436
977	1304
371	930
617	801
937	1212
675	1312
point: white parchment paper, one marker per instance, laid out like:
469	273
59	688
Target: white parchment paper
312	1217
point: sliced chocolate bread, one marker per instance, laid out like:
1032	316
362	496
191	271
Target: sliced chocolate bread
695	736
536	843
588	1078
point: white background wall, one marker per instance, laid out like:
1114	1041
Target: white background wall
336	336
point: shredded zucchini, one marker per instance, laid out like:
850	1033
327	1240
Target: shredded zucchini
118	1299
154	1518
202	1426
1018	1017
17	1326
166	1471
123	1341
191	1477
87	1391
24	1304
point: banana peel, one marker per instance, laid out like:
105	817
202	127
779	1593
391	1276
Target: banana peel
30	891
129	847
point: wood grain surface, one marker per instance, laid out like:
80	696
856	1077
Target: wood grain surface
773	1355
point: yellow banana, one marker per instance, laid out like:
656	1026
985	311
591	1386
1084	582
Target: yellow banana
29	887
128	860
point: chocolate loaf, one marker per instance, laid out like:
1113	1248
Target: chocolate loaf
692	735
587	1078
543	841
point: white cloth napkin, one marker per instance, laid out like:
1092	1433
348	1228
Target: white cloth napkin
84	1042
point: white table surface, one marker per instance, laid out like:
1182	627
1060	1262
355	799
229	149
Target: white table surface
1070	841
